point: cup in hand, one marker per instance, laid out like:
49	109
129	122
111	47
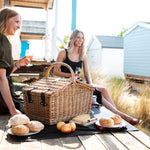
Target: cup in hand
78	70
29	55
94	99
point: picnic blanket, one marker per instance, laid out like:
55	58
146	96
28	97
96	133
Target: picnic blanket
50	132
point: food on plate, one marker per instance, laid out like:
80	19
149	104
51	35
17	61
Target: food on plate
35	125
81	118
20	130
106	122
13	126
21	125
66	128
116	118
59	125
19	119
73	126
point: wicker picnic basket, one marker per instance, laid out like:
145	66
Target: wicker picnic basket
52	99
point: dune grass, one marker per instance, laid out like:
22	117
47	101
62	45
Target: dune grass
126	99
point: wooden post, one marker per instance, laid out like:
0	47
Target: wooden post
74	5
46	37
1	3
55	32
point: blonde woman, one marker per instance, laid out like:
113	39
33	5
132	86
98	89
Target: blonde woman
9	23
75	56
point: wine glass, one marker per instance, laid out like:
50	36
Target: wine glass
78	71
29	55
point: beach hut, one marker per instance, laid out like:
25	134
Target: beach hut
137	52
106	54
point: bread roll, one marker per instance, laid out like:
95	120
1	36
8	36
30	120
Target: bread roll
117	119
81	118
20	129
19	119
35	126
106	122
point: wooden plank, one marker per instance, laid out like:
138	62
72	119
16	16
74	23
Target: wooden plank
9	144
6	142
110	141
35	145
25	36
72	143
142	78
91	142
129	141
3	123
141	137
29	4
36	75
54	144
1	4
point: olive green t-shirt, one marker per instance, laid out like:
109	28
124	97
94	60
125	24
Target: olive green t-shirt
6	60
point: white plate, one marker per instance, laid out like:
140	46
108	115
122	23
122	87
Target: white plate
30	133
117	126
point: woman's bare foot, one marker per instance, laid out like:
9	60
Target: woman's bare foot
134	121
131	120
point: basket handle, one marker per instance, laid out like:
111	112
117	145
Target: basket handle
60	63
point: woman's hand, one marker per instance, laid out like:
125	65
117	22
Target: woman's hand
77	76
23	62
15	112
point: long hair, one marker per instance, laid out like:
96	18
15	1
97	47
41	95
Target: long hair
6	14
71	42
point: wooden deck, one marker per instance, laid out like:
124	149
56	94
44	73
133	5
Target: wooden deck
133	140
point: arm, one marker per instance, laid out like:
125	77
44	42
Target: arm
60	58
86	70
22	62
5	91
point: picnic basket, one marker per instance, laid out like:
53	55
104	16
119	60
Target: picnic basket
54	99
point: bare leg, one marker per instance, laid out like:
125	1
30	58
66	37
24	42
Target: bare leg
109	106
105	94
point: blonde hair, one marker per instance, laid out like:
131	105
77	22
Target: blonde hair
6	14
72	39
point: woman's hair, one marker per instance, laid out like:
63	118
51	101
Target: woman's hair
71	42
6	14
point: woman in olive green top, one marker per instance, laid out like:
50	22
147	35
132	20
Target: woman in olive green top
9	23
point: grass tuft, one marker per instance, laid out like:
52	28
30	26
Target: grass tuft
126	99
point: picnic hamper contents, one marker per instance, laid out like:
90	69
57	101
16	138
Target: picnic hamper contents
66	127
21	125
59	125
19	119
83	119
73	126
110	121
106	121
116	118
35	125
20	129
